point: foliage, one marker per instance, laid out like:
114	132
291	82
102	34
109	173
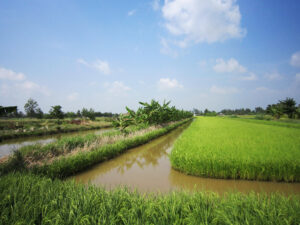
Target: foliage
39	113
66	166
231	148
88	113
31	108
8	110
289	107
151	113
209	113
122	122
15	128
56	112
29	199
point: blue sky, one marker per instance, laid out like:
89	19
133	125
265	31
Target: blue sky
106	55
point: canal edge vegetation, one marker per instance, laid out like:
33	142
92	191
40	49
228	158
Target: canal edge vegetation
236	149
31	199
67	166
57	130
148	115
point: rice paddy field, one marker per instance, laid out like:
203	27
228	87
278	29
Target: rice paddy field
239	149
30	199
28	127
34	188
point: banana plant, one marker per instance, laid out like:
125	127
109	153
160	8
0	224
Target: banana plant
122	122
152	113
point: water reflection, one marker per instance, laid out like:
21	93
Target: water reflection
8	146
147	168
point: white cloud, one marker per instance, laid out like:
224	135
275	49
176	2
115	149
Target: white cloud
131	13
156	5
101	66
262	89
73	96
166	48
117	88
297	78
167	83
31	87
250	77
231	66
93	83
273	76
7	74
295	59
18	81
223	90
202	63
197	21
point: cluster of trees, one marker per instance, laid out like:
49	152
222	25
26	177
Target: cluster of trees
4	111
241	111
206	112
151	113
287	106
33	110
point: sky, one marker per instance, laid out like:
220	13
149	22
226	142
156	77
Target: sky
106	55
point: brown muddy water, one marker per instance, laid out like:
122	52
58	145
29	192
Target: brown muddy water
8	146
147	168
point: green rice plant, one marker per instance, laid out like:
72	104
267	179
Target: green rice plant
279	123
232	148
28	199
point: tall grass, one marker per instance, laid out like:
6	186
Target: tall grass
28	199
230	148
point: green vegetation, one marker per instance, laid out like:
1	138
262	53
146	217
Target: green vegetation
229	148
151	114
14	128
56	112
284	108
287	106
32	109
94	150
280	123
29	199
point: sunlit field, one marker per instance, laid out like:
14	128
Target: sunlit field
230	148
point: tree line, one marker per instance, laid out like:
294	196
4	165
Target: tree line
32	110
283	107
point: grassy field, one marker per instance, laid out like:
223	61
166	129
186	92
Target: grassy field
71	155
280	123
14	128
231	148
28	199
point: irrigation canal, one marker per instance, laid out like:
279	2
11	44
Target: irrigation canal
147	168
8	146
